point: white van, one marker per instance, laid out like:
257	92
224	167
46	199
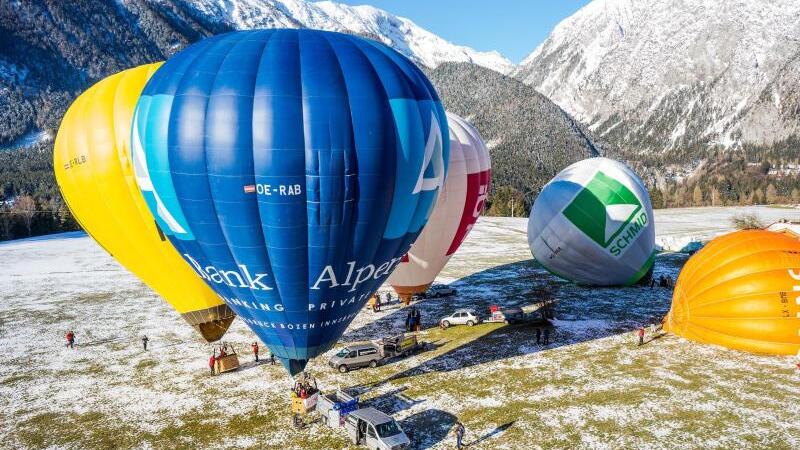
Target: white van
375	430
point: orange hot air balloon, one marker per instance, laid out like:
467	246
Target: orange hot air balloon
741	291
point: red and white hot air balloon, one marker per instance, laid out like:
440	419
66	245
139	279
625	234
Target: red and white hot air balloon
458	207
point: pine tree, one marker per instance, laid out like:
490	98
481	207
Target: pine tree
697	196
25	208
714	197
772	194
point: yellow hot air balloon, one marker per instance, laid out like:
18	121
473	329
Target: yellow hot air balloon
93	168
741	291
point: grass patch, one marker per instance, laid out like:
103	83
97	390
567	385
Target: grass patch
89	430
17	378
145	364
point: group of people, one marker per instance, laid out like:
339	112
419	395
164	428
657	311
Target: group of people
375	301
413	319
539	333
663	281
223	352
255	348
305	386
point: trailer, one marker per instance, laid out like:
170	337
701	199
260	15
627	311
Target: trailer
538	312
400	345
334	408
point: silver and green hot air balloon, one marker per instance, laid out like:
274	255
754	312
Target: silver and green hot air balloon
593	224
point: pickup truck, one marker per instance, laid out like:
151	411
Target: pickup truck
372	354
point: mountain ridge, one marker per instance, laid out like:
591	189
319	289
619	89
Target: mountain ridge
665	75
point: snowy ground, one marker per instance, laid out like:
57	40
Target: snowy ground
590	388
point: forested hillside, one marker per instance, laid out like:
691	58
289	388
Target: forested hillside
51	50
530	138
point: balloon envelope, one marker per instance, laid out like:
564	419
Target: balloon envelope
293	169
460	203
593	224
741	291
93	169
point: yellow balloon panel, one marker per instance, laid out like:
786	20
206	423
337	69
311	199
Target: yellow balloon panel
94	171
741	291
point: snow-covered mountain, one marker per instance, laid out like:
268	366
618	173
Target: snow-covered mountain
51	51
676	74
402	34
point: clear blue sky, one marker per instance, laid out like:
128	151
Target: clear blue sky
512	27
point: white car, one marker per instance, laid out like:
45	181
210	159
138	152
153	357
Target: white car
461	317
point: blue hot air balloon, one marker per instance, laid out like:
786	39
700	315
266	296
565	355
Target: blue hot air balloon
292	169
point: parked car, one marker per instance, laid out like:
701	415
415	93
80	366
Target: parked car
356	355
376	430
439	290
374	353
461	317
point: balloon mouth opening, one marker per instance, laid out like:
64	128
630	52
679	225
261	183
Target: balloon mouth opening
407	292
294	366
211	323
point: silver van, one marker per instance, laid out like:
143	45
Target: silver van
356	355
375	430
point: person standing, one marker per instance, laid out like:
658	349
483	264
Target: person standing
538	336
144	342
272	358
547	336
641	335
211	361
255	350
417	319
459	431
70	339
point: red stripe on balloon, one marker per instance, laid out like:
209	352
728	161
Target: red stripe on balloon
477	189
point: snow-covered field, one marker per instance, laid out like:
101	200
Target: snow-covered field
590	388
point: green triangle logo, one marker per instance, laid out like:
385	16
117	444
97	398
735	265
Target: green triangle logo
603	209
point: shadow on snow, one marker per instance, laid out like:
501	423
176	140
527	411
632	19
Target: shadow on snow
581	313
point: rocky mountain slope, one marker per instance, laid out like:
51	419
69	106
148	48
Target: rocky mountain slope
51	50
681	75
530	138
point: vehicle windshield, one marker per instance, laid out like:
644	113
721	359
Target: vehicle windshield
343	352
387	429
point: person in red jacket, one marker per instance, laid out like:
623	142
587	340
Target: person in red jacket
70	339
255	350
641	335
211	361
